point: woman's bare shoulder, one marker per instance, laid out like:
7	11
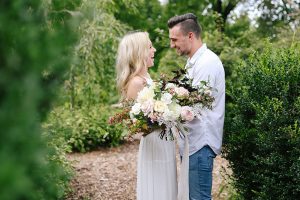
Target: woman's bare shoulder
135	85
136	81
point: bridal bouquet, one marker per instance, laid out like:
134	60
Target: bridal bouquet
164	104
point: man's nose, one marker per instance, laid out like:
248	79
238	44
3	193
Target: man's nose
172	45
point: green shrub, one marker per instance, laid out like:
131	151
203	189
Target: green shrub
262	127
85	129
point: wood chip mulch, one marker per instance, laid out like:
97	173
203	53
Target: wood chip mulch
110	174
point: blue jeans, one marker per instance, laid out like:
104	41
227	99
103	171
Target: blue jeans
200	174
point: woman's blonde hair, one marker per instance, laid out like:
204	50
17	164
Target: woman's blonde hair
132	58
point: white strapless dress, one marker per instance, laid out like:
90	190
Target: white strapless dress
156	171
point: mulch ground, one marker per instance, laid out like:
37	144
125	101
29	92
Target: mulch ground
110	174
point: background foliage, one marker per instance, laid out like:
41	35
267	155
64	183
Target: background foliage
85	105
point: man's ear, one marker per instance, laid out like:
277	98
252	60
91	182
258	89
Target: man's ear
191	35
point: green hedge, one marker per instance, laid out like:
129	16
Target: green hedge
262	127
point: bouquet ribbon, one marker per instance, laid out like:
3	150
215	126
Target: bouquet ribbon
183	180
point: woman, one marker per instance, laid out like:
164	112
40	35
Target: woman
156	171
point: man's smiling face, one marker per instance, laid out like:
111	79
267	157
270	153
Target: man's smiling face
179	40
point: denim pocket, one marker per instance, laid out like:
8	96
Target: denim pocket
210	157
210	161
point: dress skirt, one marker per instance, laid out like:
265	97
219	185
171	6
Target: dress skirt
156	169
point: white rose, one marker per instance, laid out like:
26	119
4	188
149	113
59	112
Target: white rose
147	106
136	109
145	94
160	106
167	98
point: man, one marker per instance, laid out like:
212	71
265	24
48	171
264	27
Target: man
205	134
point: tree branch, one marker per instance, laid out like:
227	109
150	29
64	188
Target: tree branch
230	6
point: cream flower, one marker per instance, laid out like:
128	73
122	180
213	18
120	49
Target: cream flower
160	106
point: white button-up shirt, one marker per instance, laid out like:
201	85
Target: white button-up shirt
208	130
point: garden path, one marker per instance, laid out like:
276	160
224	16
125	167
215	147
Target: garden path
110	174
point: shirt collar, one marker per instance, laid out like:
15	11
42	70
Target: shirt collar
191	61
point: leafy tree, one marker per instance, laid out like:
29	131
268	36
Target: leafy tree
274	14
212	13
94	72
146	16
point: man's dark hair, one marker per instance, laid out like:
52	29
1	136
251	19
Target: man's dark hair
188	23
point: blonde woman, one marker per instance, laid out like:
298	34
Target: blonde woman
156	170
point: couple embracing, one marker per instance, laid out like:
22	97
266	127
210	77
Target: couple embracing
156	171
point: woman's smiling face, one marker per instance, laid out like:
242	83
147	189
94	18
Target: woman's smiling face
150	58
